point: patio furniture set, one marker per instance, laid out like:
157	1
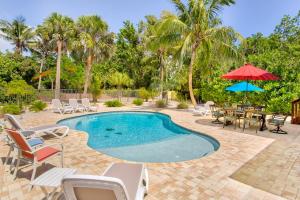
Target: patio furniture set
249	116
72	106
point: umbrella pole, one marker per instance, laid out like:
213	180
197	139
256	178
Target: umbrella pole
246	94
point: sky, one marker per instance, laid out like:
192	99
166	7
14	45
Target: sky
246	16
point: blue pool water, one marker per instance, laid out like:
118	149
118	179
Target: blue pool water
142	137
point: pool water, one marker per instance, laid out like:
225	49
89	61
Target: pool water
142	137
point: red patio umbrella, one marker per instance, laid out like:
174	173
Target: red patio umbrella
249	72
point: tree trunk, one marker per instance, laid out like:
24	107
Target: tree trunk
161	69
191	77
40	76
18	49
52	84
88	68
57	80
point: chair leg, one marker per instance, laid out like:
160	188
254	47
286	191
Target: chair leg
8	155
11	150
146	181
278	130
15	155
34	166
17	166
62	159
235	122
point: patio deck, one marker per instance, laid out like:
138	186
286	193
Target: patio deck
223	175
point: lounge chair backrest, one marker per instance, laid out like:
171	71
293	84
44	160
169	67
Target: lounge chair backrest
279	118
13	122
85	102
56	104
73	103
208	104
81	187
19	140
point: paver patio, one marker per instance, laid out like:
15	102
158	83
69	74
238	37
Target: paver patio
211	177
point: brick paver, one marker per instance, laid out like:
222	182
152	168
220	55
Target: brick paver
205	178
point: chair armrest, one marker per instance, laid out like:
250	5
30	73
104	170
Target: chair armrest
50	145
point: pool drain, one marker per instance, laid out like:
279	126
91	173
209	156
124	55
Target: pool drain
109	129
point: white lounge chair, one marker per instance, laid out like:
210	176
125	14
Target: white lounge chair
76	106
203	110
121	181
47	129
87	105
58	107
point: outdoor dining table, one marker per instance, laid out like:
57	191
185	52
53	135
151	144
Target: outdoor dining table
262	117
256	113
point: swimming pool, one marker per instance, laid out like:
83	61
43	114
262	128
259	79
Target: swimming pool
142	137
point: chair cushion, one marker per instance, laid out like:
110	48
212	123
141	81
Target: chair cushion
35	141
42	154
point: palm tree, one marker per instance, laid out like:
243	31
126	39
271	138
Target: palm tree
198	28
43	47
120	79
154	44
95	41
61	28
17	32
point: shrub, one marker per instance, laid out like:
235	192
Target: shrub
95	88
160	104
182	105
144	94
20	90
11	109
138	102
37	106
113	103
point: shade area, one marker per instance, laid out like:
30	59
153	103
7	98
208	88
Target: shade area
244	87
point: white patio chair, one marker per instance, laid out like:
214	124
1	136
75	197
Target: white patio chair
76	106
87	105
203	110
58	107
121	181
52	129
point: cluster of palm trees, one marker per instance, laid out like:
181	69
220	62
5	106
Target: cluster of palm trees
191	34
88	38
187	37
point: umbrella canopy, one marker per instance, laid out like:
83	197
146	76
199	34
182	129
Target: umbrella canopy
244	87
249	72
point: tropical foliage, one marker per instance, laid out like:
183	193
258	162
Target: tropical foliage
17	33
186	52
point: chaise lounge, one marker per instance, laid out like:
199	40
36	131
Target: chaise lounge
47	129
121	181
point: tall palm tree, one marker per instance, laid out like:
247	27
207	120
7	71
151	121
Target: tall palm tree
152	40
43	47
198	28
155	43
61	28
16	32
95	41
